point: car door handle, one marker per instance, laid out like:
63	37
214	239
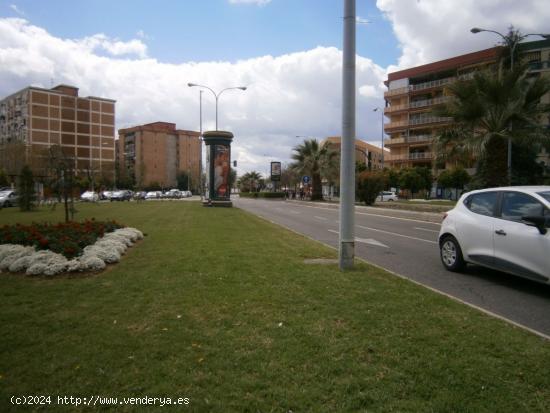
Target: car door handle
500	232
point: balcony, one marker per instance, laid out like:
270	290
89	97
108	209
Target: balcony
398	91
419	138
433	84
429	102
393	141
398	124
410	157
396	108
421	120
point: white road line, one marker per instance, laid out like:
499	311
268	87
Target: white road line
321	218
426	229
295	212
397	235
373	215
369	241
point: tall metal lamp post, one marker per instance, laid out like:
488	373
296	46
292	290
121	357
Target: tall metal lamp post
379	109
511	40
216	95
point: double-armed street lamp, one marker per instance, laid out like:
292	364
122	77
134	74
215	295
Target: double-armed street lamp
511	40
216	95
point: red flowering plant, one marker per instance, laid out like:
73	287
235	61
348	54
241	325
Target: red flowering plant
68	238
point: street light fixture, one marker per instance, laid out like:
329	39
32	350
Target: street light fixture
379	109
511	40
216	95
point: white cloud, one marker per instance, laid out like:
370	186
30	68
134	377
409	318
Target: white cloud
17	10
289	95
256	2
431	30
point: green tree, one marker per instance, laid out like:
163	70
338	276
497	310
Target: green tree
183	181
369	185
313	160
411	180
456	178
25	187
487	111
250	182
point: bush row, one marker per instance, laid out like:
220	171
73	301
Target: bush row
262	194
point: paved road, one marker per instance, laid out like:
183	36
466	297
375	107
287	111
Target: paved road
409	247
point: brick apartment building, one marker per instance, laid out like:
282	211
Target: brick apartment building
364	152
33	119
155	153
413	94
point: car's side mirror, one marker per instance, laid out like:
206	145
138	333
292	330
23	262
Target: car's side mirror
540	222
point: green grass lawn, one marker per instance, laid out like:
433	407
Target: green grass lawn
218	306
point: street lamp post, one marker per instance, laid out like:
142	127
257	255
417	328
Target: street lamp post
379	109
216	95
512	39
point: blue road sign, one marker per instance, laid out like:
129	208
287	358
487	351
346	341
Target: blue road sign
306	179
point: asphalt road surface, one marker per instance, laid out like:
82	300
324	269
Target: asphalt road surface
409	248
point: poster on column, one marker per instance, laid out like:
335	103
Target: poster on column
221	171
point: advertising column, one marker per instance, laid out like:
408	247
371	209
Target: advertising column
218	168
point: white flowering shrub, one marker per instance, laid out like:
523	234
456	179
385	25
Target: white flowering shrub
11	253
106	250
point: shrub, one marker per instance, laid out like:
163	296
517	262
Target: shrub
369	185
68	239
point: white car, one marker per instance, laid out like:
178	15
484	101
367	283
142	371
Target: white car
387	196
8	198
89	196
153	195
501	228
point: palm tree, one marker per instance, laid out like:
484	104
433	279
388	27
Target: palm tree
313	160
489	110
250	181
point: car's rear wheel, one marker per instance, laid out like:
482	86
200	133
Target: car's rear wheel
451	254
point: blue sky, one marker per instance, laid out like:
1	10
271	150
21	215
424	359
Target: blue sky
287	52
200	30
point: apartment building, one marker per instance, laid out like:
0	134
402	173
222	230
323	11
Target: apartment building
413	94
33	119
369	154
155	153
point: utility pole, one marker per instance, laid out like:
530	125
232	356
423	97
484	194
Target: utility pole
346	252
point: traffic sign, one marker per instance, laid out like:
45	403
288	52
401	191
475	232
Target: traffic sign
306	179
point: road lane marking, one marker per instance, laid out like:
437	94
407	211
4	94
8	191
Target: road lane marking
321	218
426	229
398	235
295	212
369	241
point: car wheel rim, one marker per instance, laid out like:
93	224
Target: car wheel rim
448	253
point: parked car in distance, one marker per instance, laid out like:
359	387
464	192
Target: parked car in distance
106	195
386	196
139	195
501	228
174	193
8	198
153	195
89	196
122	195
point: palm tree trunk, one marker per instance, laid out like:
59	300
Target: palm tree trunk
317	188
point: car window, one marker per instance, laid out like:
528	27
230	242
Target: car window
516	205
545	195
483	203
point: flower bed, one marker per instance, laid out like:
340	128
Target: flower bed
68	239
35	260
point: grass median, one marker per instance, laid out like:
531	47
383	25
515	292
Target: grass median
218	306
